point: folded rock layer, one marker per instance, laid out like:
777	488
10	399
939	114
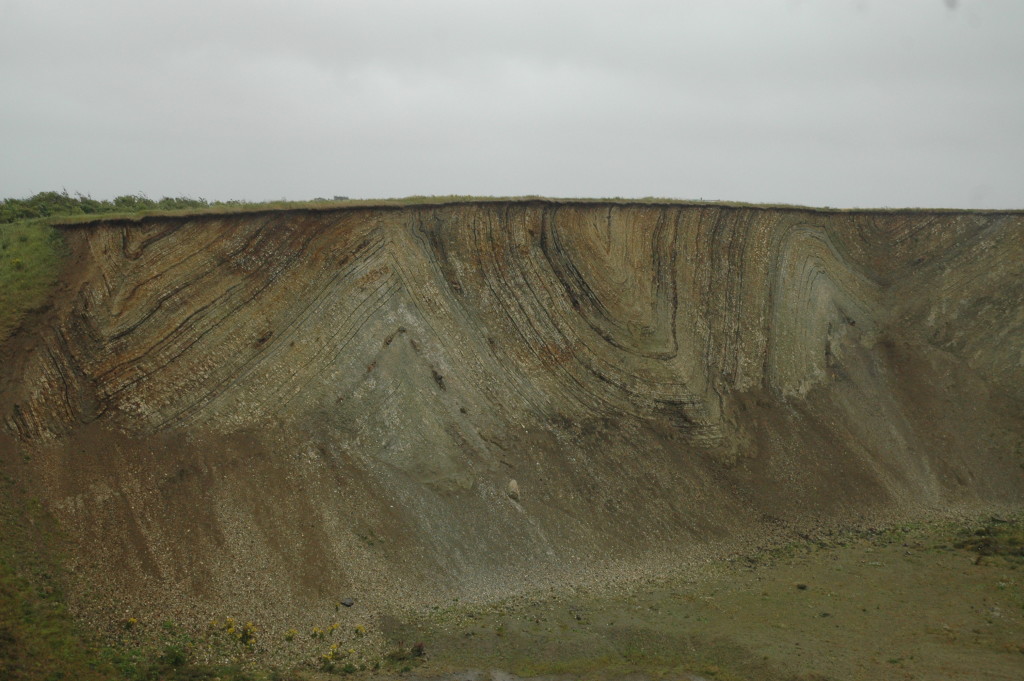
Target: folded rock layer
267	410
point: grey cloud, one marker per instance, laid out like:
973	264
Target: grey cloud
838	103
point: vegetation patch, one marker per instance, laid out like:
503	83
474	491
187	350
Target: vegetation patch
61	204
777	616
997	537
41	641
30	257
38	637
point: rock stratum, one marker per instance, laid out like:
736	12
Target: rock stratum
257	414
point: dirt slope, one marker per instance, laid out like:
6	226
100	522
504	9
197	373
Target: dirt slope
261	414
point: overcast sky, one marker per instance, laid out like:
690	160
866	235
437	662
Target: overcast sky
821	102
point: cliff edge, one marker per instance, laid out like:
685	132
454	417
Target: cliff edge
265	412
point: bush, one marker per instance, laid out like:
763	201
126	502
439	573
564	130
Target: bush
57	204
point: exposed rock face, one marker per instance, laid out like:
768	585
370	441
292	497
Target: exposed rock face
277	408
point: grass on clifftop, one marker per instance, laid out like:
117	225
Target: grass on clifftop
63	209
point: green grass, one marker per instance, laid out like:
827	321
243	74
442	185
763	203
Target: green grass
30	258
40	641
47	204
998	537
39	638
64	209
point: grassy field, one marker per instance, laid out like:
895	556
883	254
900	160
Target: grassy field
30	257
39	638
940	601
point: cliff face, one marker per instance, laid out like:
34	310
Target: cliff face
278	408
